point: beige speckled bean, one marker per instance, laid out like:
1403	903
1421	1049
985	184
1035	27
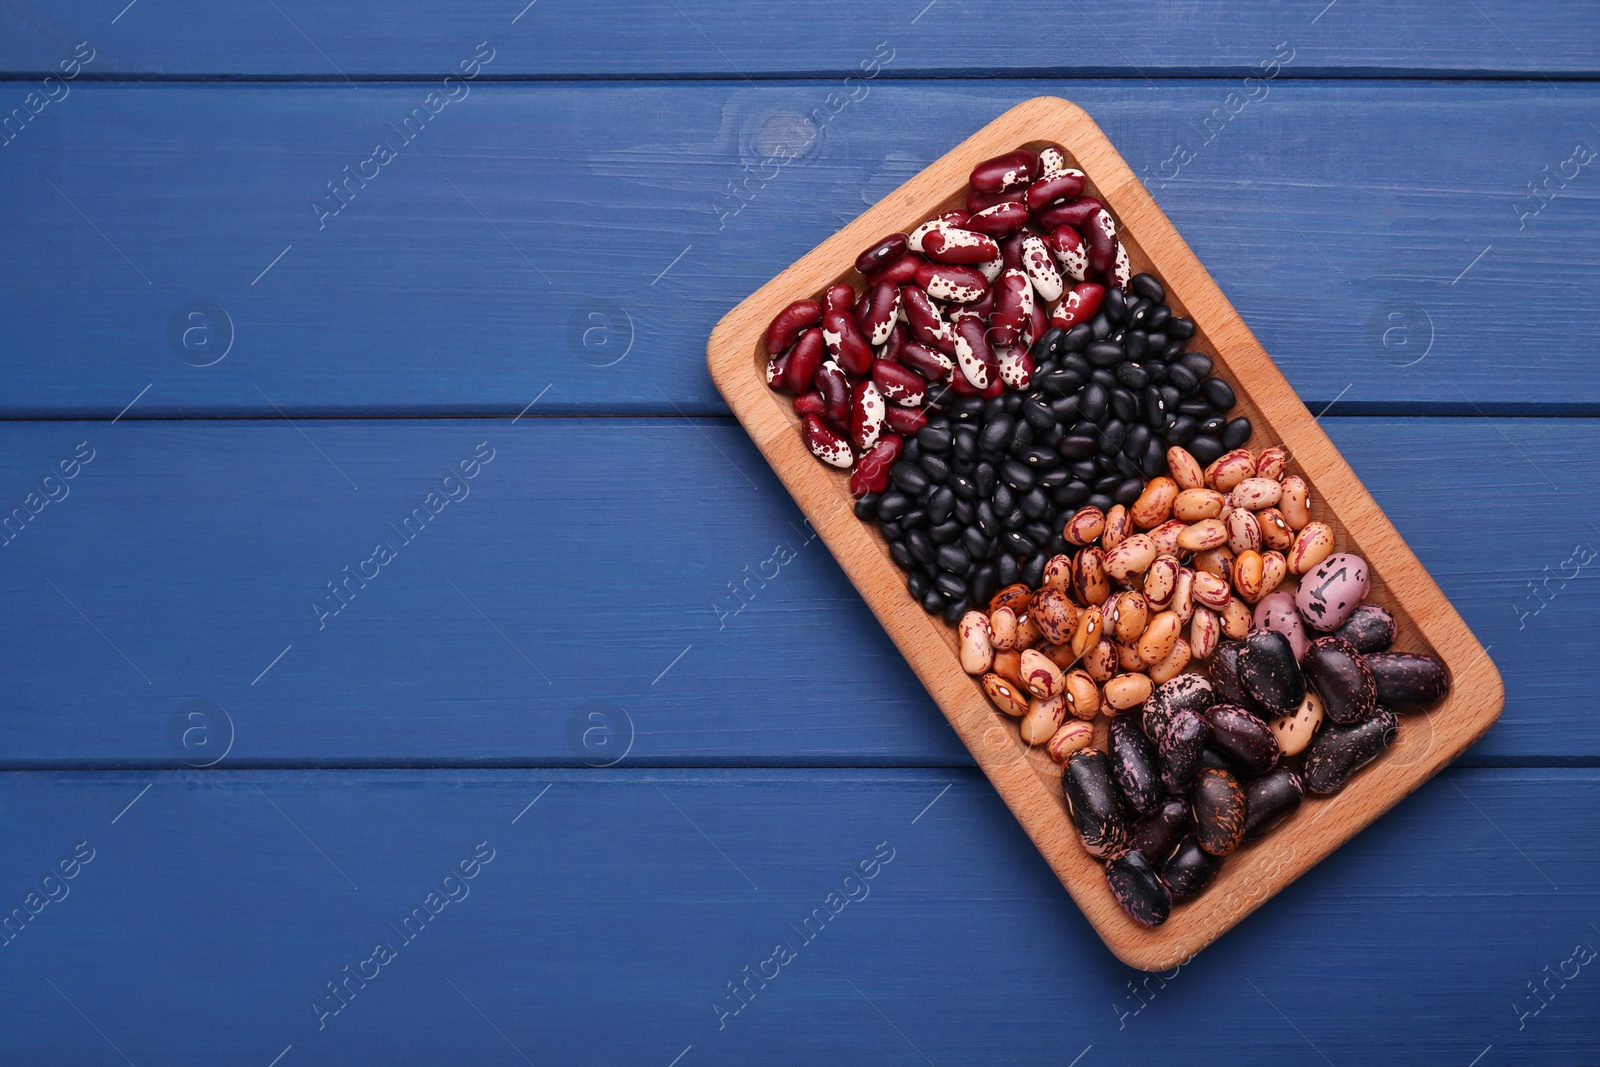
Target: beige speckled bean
1294	731
1117	527
1060	655
1002	628
1054	614
1166	536
1218	561
1154	505
1247	576
1192	505
1244	531
1312	545
1156	643
1127	691
1128	657
1271	462
1275	532
1091	625
1089	581
1006	696
1043	719
1028	633
1086	525
1131	615
1207	533
1008	665
1205	630
1274	569
1237	620
1101	661
1296	502
1211	592
1256	493
1132	556
1057	574
1073	735
1185	468
977	651
1040	676
1173	665
1083	696
1230	469
1160	580
1183	595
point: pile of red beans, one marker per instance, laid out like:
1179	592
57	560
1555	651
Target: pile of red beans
1022	417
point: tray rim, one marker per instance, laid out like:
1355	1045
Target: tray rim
1259	872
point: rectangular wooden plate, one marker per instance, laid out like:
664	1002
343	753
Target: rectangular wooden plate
1028	780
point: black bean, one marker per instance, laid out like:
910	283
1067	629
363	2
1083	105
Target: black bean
1075	339
901	555
1066	408
892	530
1038	414
1182	430
985	477
1182	378
921	546
867	507
1101	501
1171	396
935	439
1094	399
953	558
1045	347
1173	352
894	504
985	583
1114	305
1100	326
1154	461
1269	799
964	486
1013	519
1137	887
1157	320
1021	437
915	519
1199	363
945	532
942	504
1137	441
1008	570
1018	542
1197	407
1136	345
1011	403
1206	449
1181	328
916	583
1128	491
1156	371
1059	382
1104	377
1085	469
1237	433
1107	483
1219	394
1212	427
1132	375
1004	500
996	433
951	585
1104	353
1147	286
1155	408
987	518
1053	478
1112	434
1126	467
1070	495
1017	475
1190	870
910	477
965	512
937	468
912	453
1035	504
974	542
933	601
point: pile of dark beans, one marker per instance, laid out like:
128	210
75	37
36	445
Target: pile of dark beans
1210	764
980	494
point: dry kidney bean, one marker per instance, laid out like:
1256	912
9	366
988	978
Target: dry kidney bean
1247	742
1182	747
1190	869
1095	803
1138	888
1219	811
1331	590
1278	612
1269	674
1370	628
1014	170
1270	799
1407	681
1000	220
1338	752
1134	765
1341	676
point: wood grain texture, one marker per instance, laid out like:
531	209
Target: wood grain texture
1335	216
614	913
1500	38
197	548
1029	785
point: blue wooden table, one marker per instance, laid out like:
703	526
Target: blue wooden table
547	778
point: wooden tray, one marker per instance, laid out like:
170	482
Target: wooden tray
1028	780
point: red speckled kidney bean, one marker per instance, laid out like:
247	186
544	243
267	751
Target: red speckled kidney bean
835	389
877	317
1002	220
839	297
930	364
845	344
1016	366
867	410
1079	305
1040	267
977	201
1010	171
872	470
1011	252
899	385
974	358
1100	233
810	404
898	336
825	444
948	244
1052	160
1050	191
1122	268
881	254
956	284
804	359
777	372
1070	252
1074	213
926	321
906	421
954	217
900	272
788	324
1013	307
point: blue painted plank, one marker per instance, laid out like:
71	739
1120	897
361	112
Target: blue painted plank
636	570
1379	238
703	38
616	909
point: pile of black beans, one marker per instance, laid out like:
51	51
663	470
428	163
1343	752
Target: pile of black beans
979	496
